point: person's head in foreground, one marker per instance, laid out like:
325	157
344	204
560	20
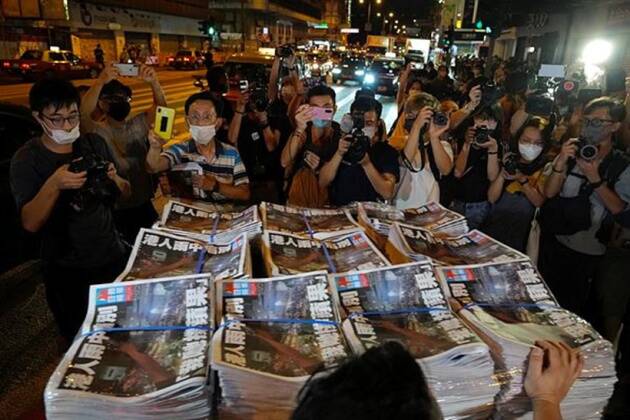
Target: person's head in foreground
386	382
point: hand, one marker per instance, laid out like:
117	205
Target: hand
507	176
242	101
261	117
147	74
109	73
559	132
205	182
64	179
311	159
551	383
491	145
567	151
344	145
469	137
155	141
365	161
424	116
111	171
404	75
475	95
164	185
303	116
436	131
590	169
290	61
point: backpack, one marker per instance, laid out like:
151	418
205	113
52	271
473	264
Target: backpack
569	215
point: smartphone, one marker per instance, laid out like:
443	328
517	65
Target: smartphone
127	69
243	85
587	95
322	113
164	118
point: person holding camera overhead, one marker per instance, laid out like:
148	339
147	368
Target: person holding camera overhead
588	189
65	184
358	166
424	155
476	166
518	190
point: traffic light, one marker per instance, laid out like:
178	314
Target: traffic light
479	24
207	28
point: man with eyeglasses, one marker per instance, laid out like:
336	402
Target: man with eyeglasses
224	177
596	186
127	138
80	244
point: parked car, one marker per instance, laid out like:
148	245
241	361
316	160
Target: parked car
382	75
35	64
350	68
187	59
17	126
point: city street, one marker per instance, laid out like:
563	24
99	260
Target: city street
178	86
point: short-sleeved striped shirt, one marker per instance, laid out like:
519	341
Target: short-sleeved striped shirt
226	166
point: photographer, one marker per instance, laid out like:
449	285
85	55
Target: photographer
218	85
476	166
65	185
301	155
518	190
588	189
127	139
361	167
425	156
224	177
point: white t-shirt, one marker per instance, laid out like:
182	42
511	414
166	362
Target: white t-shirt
418	188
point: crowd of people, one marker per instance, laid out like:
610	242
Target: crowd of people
86	185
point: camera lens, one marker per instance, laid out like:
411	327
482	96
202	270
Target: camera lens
588	152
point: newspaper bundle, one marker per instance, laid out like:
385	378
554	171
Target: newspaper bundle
410	243
209	226
406	304
274	334
180	181
286	253
511	307
309	223
142	353
161	254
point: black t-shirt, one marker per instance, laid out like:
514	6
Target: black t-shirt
279	120
352	184
260	163
74	239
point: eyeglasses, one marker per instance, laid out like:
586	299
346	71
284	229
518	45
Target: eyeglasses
595	122
59	122
195	119
116	98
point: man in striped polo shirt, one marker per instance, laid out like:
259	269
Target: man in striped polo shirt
224	177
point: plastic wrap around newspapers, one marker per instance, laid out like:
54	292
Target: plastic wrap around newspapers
511	307
285	253
157	253
142	353
274	334
207	225
406	304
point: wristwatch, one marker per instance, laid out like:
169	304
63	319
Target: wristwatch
595	185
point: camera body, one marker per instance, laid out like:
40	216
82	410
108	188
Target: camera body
539	105
490	93
258	99
360	143
440	118
482	135
510	164
98	186
284	51
586	150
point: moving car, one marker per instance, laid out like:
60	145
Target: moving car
350	68
187	59
317	64
382	75
35	64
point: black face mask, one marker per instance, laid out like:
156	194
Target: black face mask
119	110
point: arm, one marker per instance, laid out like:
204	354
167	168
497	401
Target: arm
149	75
297	139
402	87
496	188
270	136
384	184
411	150
155	161
493	159
555	180
234	129
272	89
240	192
329	171
461	163
461	114
610	198
122	184
533	194
443	161
36	212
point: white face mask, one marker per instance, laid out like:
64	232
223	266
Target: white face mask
369	131
202	134
529	151
63	136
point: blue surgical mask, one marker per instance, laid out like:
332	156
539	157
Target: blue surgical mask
317	123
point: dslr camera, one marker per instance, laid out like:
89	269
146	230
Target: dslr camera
98	187
440	118
258	99
586	150
360	143
482	135
284	51
490	94
510	164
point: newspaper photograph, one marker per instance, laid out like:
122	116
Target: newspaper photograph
432	216
180	183
160	254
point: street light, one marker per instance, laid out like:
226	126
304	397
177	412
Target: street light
396	21
404	26
378	14
391	14
386	21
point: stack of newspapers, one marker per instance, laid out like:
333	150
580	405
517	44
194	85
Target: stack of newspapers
287	253
406	304
511	306
142	352
157	253
274	334
410	243
206	225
